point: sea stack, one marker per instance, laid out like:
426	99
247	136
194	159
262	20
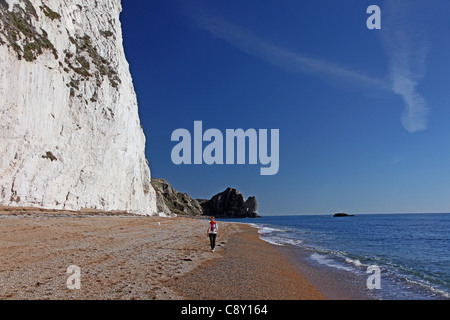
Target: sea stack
230	204
71	136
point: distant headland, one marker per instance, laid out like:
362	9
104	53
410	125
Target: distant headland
227	204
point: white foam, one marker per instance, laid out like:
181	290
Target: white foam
265	229
271	241
430	287
280	241
355	262
323	259
270	235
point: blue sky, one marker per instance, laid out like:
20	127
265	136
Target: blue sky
364	115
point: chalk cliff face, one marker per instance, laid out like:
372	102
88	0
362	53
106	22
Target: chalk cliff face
70	134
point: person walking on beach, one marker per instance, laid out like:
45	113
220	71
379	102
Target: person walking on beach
212	233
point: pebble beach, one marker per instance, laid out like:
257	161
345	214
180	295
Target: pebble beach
124	257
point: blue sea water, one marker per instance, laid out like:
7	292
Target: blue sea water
412	251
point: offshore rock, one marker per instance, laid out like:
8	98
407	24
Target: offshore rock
343	215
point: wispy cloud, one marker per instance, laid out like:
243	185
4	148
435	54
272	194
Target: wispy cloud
288	60
407	56
404	40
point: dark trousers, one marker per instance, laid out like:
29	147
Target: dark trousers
212	240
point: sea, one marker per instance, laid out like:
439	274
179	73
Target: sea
400	256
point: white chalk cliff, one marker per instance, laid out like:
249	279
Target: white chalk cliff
70	133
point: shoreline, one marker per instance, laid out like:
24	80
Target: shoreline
250	269
333	283
126	257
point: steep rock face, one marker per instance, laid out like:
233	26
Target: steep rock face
170	200
70	134
230	204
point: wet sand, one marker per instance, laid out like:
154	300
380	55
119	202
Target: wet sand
123	256
335	284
